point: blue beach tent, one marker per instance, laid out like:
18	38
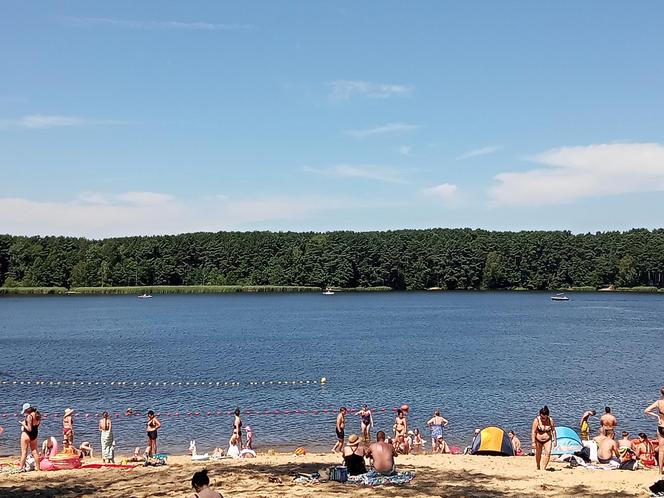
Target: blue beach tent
568	441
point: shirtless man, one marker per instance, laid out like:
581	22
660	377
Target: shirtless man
382	455
609	423
585	427
659	407
607	448
340	430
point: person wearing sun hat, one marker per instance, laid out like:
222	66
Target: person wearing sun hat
354	456
68	426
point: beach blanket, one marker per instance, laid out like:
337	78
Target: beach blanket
107	466
373	478
107	445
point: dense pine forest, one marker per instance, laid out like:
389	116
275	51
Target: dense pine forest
405	259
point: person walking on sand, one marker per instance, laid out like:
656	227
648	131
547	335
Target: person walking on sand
585	427
153	425
29	434
436	424
366	423
68	425
658	406
237	427
340	430
609	423
107	442
543	436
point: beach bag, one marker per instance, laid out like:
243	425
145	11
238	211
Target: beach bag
339	474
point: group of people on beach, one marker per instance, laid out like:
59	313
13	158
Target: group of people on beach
543	439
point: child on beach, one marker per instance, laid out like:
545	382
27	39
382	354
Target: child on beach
250	437
68	425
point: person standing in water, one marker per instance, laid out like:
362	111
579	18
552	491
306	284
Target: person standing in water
153	425
107	442
609	423
68	426
366	423
658	406
340	430
29	434
543	436
237	427
436	424
585	427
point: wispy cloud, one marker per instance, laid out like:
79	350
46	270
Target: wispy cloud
387	129
95	214
40	121
345	89
484	151
445	192
404	150
573	173
146	24
363	171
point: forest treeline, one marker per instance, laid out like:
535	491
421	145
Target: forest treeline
403	259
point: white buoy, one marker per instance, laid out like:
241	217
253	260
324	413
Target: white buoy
323	380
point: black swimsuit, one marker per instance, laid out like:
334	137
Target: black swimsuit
34	433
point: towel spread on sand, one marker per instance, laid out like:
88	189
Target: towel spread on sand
373	478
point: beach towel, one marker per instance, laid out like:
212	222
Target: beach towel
107	445
373	478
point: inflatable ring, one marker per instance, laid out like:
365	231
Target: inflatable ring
65	462
300	451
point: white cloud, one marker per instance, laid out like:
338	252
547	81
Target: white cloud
345	89
405	150
42	121
484	151
573	173
175	25
93	214
446	192
389	128
364	171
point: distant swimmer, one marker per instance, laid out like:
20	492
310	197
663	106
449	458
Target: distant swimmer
543	436
340	430
658	406
585	427
609	423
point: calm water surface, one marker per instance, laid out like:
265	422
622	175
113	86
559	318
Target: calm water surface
482	358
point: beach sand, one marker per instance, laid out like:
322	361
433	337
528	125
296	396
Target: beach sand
437	475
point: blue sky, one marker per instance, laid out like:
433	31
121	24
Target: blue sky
121	118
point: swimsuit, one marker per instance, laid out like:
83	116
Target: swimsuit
33	433
585	430
436	431
237	430
604	460
355	464
660	430
544	429
340	434
366	419
152	434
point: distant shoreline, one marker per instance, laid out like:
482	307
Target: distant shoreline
270	289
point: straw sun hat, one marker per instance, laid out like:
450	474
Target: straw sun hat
353	440
68	411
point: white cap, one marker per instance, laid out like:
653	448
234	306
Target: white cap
25	407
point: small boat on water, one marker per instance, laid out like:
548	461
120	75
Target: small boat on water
145	296
560	297
328	292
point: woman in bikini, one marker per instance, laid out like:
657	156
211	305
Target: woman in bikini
366	423
237	427
400	424
153	425
543	436
29	434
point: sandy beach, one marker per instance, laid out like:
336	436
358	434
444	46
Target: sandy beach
437	475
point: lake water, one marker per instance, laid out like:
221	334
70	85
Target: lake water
482	358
